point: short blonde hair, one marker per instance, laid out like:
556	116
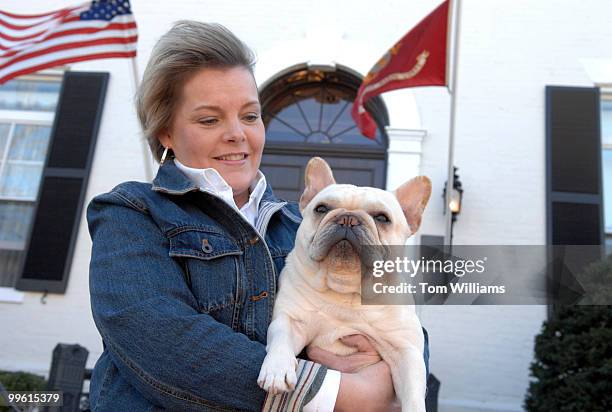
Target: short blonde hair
184	50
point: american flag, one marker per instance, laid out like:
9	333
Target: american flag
98	29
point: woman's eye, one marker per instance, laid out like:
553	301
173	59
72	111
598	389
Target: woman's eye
209	121
253	117
321	209
382	218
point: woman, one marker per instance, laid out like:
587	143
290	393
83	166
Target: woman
183	272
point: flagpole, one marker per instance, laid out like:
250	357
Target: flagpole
146	154
451	140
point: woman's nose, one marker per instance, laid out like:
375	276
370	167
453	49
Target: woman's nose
234	132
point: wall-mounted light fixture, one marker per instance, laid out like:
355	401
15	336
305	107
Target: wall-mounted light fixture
454	200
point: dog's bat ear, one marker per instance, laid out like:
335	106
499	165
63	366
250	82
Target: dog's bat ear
317	177
413	197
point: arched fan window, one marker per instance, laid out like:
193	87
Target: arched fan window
309	106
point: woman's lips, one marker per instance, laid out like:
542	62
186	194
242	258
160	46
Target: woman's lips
225	159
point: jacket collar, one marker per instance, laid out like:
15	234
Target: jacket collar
172	181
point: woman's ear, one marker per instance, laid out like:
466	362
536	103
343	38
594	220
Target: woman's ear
165	139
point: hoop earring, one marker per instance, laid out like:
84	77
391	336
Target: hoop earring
163	158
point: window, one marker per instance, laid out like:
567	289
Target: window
27	109
606	138
317	114
314	107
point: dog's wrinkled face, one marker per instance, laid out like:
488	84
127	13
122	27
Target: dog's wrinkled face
346	217
340	219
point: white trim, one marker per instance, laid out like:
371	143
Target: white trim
608	99
404	158
405	141
27	117
10	295
48	75
21	162
11	245
53	74
404	155
605	90
7	148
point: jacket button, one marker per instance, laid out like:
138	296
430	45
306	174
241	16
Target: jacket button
206	247
262	295
254	240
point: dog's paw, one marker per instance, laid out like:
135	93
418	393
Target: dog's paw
277	373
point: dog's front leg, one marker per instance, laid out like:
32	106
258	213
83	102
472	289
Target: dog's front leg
285	341
409	380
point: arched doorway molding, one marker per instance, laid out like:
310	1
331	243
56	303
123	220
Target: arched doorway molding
327	49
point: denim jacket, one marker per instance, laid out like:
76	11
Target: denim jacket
182	291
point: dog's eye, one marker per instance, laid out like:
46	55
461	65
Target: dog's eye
381	217
322	209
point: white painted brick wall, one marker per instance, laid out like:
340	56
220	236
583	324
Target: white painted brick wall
509	51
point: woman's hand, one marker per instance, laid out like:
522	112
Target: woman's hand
366	383
366	355
369	390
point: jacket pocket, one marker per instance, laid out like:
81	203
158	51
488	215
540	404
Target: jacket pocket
212	265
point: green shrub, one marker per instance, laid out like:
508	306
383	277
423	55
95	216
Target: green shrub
573	356
21	381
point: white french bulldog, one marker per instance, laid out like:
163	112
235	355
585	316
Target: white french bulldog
319	297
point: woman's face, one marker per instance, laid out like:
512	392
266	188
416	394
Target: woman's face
217	123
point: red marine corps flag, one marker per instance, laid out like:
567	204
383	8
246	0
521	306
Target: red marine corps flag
417	59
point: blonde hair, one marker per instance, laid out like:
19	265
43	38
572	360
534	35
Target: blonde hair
184	50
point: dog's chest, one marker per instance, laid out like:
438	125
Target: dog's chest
337	322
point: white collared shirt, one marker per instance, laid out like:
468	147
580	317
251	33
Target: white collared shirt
209	180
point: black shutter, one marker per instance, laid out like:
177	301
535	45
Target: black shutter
64	183
574	188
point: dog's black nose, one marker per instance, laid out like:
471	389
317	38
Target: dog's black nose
348	220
